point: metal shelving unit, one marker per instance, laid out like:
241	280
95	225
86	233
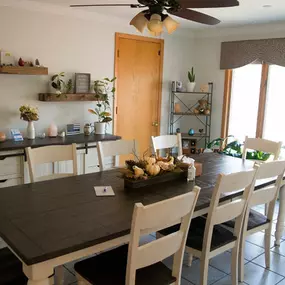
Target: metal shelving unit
204	119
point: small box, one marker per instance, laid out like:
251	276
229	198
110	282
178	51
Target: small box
6	58
72	129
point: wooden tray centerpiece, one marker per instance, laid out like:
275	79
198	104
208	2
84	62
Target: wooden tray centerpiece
153	170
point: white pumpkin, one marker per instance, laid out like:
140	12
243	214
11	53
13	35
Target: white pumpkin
150	160
153	169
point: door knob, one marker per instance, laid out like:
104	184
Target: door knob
155	124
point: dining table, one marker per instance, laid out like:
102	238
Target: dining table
50	223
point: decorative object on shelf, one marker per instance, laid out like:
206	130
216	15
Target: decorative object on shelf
16	135
29	114
6	59
37	63
177	108
2	137
203	107
87	129
62	134
29	64
178	130
102	90
58	83
52	130
192	81
72	129
204	88
179	86
21	62
191	132
52	97
82	82
42	136
201	131
69	87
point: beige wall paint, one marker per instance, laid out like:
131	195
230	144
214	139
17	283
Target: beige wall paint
207	47
71	44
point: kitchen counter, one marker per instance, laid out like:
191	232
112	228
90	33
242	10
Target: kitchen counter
9	145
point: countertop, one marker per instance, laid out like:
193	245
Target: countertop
38	142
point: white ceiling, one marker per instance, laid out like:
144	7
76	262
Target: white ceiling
249	11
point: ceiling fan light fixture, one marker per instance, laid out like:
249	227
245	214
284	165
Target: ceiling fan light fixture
155	25
139	22
170	24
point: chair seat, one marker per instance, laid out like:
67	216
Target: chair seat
221	236
109	268
11	272
255	220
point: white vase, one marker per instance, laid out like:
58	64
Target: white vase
100	128
190	86
31	133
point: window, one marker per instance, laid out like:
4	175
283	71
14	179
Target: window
253	101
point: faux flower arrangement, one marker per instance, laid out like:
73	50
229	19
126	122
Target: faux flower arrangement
149	167
29	113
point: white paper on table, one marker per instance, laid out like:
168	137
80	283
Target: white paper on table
186	159
104	191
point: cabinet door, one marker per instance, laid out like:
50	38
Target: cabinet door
91	164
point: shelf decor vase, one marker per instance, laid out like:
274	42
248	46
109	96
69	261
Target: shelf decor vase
31	132
190	87
191	132
100	128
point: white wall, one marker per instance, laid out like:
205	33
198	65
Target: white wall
65	42
207	46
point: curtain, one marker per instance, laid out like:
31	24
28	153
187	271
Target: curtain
240	53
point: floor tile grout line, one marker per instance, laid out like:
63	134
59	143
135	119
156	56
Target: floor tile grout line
267	269
280	281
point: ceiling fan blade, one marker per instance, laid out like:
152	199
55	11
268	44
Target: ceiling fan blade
208	3
107	5
195	16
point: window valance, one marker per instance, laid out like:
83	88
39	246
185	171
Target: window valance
240	53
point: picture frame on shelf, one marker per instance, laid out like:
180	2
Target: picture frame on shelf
82	83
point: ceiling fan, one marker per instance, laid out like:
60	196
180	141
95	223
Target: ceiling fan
156	15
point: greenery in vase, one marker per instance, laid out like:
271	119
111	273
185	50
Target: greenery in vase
29	113
58	83
191	75
69	86
102	90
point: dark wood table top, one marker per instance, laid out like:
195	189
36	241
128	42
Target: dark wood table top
48	219
38	142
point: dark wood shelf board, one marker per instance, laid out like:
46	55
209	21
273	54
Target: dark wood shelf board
189	114
52	97
23	70
199	93
186	136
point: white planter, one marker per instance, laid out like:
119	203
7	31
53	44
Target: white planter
190	87
100	128
208	150
31	132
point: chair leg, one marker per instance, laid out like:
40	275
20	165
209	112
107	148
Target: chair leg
234	265
204	268
190	259
267	247
59	277
241	261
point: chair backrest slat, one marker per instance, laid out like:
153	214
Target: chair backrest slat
167	141
262	145
51	154
155	216
115	149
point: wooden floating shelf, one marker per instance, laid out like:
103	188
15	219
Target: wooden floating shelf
52	97
24	70
189	114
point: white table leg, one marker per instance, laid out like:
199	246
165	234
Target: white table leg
38	274
39	282
281	217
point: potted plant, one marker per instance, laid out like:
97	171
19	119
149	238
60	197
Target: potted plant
216	142
58	83
192	83
102	90
29	114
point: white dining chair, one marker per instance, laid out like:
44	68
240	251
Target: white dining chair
141	264
207	236
51	154
167	142
115	149
261	145
254	221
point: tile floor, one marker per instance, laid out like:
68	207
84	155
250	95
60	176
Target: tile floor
219	269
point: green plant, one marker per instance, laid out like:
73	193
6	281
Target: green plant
29	113
102	90
69	86
217	142
58	83
191	75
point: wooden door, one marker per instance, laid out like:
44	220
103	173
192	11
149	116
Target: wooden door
138	68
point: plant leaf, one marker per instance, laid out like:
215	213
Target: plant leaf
54	77
92	111
105	114
54	85
107	120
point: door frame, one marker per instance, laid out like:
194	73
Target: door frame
119	36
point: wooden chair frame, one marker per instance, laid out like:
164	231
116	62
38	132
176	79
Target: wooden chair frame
262	145
167	141
115	149
51	154
267	196
220	213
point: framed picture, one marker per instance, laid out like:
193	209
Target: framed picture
185	143
82	82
